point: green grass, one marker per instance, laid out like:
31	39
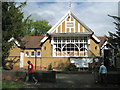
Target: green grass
12	85
0	68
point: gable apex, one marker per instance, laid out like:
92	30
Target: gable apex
75	22
68	13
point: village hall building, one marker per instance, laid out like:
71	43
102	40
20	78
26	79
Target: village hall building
68	41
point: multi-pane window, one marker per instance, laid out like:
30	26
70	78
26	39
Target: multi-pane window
32	54
38	54
26	54
70	46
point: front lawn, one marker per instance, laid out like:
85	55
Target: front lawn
12	85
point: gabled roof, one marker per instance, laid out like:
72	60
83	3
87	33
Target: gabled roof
96	38
28	41
79	21
15	41
102	40
31	41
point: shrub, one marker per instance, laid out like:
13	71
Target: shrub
50	66
118	54
70	67
6	68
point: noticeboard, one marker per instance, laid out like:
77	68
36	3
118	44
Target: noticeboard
81	63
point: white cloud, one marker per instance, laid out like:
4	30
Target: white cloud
93	14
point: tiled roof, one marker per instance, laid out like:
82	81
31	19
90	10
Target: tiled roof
31	41
102	40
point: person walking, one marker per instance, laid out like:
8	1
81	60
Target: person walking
30	73
103	74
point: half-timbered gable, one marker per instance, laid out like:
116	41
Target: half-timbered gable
70	24
70	37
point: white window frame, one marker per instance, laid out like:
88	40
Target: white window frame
76	41
38	55
26	55
32	55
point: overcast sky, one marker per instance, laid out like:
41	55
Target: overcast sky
93	14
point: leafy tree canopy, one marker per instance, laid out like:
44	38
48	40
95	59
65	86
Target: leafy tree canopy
12	24
114	38
37	28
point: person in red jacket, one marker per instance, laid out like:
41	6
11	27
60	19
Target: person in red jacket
30	73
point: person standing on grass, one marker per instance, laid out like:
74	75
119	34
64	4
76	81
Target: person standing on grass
103	74
30	73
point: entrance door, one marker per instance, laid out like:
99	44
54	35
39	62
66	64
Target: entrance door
21	59
107	58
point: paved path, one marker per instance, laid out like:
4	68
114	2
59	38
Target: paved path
81	80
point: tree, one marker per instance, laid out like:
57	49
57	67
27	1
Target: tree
40	27
12	25
28	27
114	38
37	28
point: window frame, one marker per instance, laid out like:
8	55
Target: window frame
38	55
26	55
80	42
32	55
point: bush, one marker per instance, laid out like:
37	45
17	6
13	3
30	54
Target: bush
50	66
6	68
118	54
70	67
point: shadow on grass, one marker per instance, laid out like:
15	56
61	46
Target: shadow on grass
6	84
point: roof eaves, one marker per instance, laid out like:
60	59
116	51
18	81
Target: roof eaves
95	37
44	39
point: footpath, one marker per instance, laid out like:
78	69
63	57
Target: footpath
73	80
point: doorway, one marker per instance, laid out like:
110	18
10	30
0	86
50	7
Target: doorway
21	59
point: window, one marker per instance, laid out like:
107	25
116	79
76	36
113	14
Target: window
70	46
38	54
45	48
32	54
95	47
26	54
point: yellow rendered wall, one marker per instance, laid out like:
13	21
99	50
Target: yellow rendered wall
67	29
48	51
59	29
56	62
73	29
32	59
45	52
81	28
54	31
63	27
14	51
14	57
72	19
85	30
76	26
92	49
